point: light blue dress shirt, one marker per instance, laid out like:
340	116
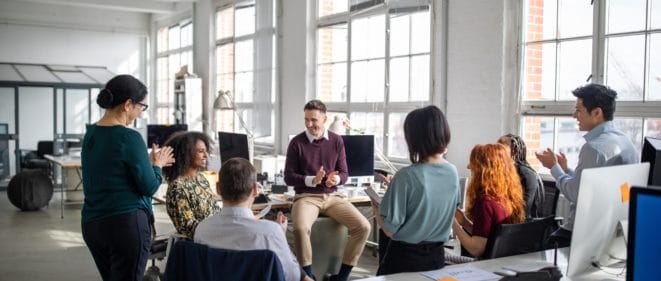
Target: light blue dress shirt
237	229
420	202
604	146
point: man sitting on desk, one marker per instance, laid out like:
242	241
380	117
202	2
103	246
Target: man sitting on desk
315	165
235	227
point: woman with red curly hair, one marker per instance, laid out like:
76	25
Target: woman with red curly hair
494	197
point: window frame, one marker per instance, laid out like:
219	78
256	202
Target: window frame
642	109
436	53
263	143
170	104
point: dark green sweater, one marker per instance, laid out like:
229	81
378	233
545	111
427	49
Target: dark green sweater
118	177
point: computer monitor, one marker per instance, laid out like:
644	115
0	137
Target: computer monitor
602	204
233	145
644	244
360	154
652	154
158	134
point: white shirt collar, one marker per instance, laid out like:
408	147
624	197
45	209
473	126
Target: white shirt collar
311	137
237	212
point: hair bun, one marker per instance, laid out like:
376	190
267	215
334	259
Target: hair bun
105	98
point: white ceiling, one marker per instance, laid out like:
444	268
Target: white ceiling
138	6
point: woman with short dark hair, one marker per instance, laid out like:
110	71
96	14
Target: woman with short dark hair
416	211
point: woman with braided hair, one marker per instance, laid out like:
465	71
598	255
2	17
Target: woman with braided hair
533	187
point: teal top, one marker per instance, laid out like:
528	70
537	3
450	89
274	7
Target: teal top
118	176
420	203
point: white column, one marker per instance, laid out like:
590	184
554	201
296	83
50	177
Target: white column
480	95
203	57
295	43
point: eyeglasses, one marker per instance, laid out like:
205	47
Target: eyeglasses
144	106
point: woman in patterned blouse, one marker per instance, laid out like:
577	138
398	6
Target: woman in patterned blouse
189	200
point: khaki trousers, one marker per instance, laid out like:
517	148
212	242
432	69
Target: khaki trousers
305	211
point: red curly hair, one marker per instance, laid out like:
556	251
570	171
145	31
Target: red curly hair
493	175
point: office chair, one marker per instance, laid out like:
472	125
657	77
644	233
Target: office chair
160	249
515	239
551	195
192	261
39	162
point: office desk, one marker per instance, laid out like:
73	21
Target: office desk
532	259
281	201
65	162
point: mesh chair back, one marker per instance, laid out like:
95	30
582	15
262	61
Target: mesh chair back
515	239
551	195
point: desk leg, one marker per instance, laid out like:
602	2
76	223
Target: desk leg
62	180
54	175
80	179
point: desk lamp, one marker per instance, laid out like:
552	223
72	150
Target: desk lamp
224	101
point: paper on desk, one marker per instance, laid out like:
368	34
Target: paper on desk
461	273
264	211
376	199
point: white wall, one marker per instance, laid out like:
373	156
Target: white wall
479	83
52	34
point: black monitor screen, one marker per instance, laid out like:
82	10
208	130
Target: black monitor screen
652	154
158	134
233	145
644	243
360	155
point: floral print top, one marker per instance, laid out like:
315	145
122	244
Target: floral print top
188	201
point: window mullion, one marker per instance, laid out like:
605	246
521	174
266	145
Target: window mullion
599	42
349	63
386	94
386	62
647	54
556	125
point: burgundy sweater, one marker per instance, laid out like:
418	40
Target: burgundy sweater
305	158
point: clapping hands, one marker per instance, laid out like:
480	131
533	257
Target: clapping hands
281	219
162	157
331	179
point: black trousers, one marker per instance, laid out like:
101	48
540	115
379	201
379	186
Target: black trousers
120	245
404	257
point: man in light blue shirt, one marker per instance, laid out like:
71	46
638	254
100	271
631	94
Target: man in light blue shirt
235	227
604	146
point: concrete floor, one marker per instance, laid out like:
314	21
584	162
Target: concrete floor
39	245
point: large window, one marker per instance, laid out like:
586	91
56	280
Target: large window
245	68
568	43
373	65
174	49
